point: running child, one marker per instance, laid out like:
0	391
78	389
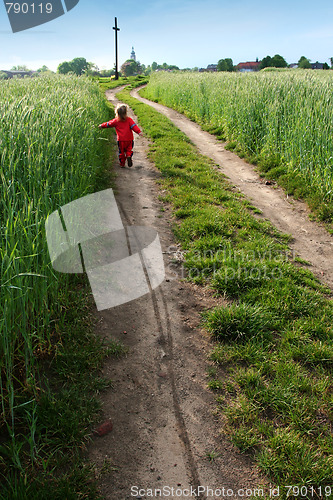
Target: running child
124	126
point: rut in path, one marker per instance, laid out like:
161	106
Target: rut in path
310	240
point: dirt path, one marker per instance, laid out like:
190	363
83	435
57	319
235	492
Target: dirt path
162	413
310	240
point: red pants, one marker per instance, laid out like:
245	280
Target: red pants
125	150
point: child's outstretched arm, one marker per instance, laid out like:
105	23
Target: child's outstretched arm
111	123
136	128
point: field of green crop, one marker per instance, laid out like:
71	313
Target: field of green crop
282	120
50	153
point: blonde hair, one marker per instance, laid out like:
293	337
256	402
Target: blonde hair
121	112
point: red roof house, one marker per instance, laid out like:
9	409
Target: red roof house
248	66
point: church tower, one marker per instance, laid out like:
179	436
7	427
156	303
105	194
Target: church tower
133	56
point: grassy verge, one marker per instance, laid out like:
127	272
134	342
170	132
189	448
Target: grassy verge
50	357
273	355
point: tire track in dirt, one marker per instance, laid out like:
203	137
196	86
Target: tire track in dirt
165	340
310	240
159	404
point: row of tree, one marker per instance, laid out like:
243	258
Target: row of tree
276	61
131	67
24	69
80	66
279	62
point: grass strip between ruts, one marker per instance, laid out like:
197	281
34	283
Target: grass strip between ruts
273	354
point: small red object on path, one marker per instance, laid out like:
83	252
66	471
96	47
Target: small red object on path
104	428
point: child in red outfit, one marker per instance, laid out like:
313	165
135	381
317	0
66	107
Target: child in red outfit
124	126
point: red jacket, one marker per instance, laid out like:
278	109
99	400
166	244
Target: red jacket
124	129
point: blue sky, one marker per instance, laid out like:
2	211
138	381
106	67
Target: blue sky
187	33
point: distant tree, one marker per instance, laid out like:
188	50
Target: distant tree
266	62
139	68
64	68
331	60
92	70
43	69
163	66
3	75
106	72
279	61
304	63
129	68
276	61
326	66
221	65
225	65
79	65
20	67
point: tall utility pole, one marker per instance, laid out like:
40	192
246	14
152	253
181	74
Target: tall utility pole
116	45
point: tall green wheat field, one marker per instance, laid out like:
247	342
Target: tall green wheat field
277	118
50	151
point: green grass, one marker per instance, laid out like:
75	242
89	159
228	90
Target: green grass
51	153
273	351
48	452
106	83
280	121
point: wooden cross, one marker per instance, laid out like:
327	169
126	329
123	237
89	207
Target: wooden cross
116	37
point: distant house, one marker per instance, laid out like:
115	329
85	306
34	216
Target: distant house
317	65
210	67
293	65
18	74
246	67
